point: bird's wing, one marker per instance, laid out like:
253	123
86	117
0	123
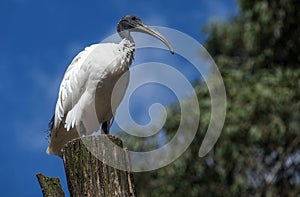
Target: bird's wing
73	85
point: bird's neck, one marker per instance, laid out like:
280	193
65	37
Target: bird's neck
125	34
128	47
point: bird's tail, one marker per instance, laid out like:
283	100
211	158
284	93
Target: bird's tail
59	137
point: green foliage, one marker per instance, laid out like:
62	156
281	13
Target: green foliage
264	35
258	153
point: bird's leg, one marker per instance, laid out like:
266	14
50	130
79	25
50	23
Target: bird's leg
105	127
112	121
82	129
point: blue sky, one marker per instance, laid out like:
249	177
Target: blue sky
38	40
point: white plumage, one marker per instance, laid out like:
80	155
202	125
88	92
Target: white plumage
84	99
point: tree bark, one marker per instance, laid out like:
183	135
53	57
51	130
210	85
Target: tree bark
88	172
51	187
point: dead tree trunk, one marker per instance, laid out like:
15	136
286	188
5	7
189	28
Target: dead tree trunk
51	187
89	176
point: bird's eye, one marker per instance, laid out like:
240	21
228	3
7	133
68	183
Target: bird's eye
133	18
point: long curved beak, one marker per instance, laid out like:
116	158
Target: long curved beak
141	27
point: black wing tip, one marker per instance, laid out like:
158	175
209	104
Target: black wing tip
50	126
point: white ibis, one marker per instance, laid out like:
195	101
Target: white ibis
87	85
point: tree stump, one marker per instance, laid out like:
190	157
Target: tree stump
89	176
51	187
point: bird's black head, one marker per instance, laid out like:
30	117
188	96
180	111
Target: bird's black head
130	23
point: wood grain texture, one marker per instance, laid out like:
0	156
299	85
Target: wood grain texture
89	176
